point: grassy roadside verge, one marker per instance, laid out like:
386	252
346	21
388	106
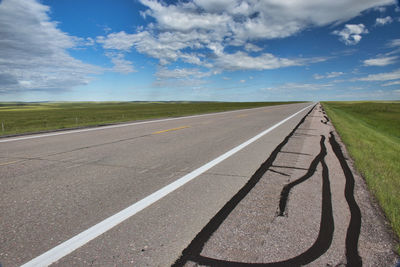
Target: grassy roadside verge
16	118
371	132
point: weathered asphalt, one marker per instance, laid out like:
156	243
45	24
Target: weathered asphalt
305	205
289	199
55	187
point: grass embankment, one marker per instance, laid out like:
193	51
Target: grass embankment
16	118
371	132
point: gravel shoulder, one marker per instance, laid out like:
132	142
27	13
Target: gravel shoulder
305	205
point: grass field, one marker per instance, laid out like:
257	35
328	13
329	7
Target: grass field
16	118
371	132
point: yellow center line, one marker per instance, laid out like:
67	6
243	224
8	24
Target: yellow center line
173	129
10	162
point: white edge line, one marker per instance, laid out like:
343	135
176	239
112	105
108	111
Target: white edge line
91	233
12	139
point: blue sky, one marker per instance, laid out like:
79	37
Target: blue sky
226	50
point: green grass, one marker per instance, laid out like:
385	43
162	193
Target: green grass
16	118
371	132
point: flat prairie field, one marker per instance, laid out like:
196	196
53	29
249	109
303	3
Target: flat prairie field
371	132
18	118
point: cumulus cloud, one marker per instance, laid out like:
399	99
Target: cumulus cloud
328	75
243	61
198	31
252	48
351	33
33	51
380	61
166	46
383	21
119	41
169	45
121	65
254	19
386	76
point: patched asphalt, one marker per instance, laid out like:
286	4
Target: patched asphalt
304	206
287	199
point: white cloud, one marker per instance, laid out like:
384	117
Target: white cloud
383	21
252	48
318	76
334	74
351	33
183	17
248	20
197	32
33	51
380	9
120	40
380	61
394	43
328	75
167	48
386	76
243	61
287	87
121	65
242	81
164	73
392	83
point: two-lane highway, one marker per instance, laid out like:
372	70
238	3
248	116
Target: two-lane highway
55	186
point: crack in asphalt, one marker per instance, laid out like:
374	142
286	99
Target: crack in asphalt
97	145
311	170
192	252
353	230
289	167
321	244
281	173
296	153
325	236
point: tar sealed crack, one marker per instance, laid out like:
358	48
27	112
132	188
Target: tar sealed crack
192	252
311	170
353	230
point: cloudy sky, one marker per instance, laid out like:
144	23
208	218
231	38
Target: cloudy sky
226	50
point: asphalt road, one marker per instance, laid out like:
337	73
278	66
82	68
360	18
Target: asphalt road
304	206
53	188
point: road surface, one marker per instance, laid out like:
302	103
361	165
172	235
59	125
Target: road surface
54	187
304	206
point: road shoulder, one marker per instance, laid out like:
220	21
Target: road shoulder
305	205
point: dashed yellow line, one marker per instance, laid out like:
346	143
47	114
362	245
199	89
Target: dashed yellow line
10	162
173	129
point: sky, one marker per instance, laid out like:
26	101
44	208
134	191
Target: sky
199	50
